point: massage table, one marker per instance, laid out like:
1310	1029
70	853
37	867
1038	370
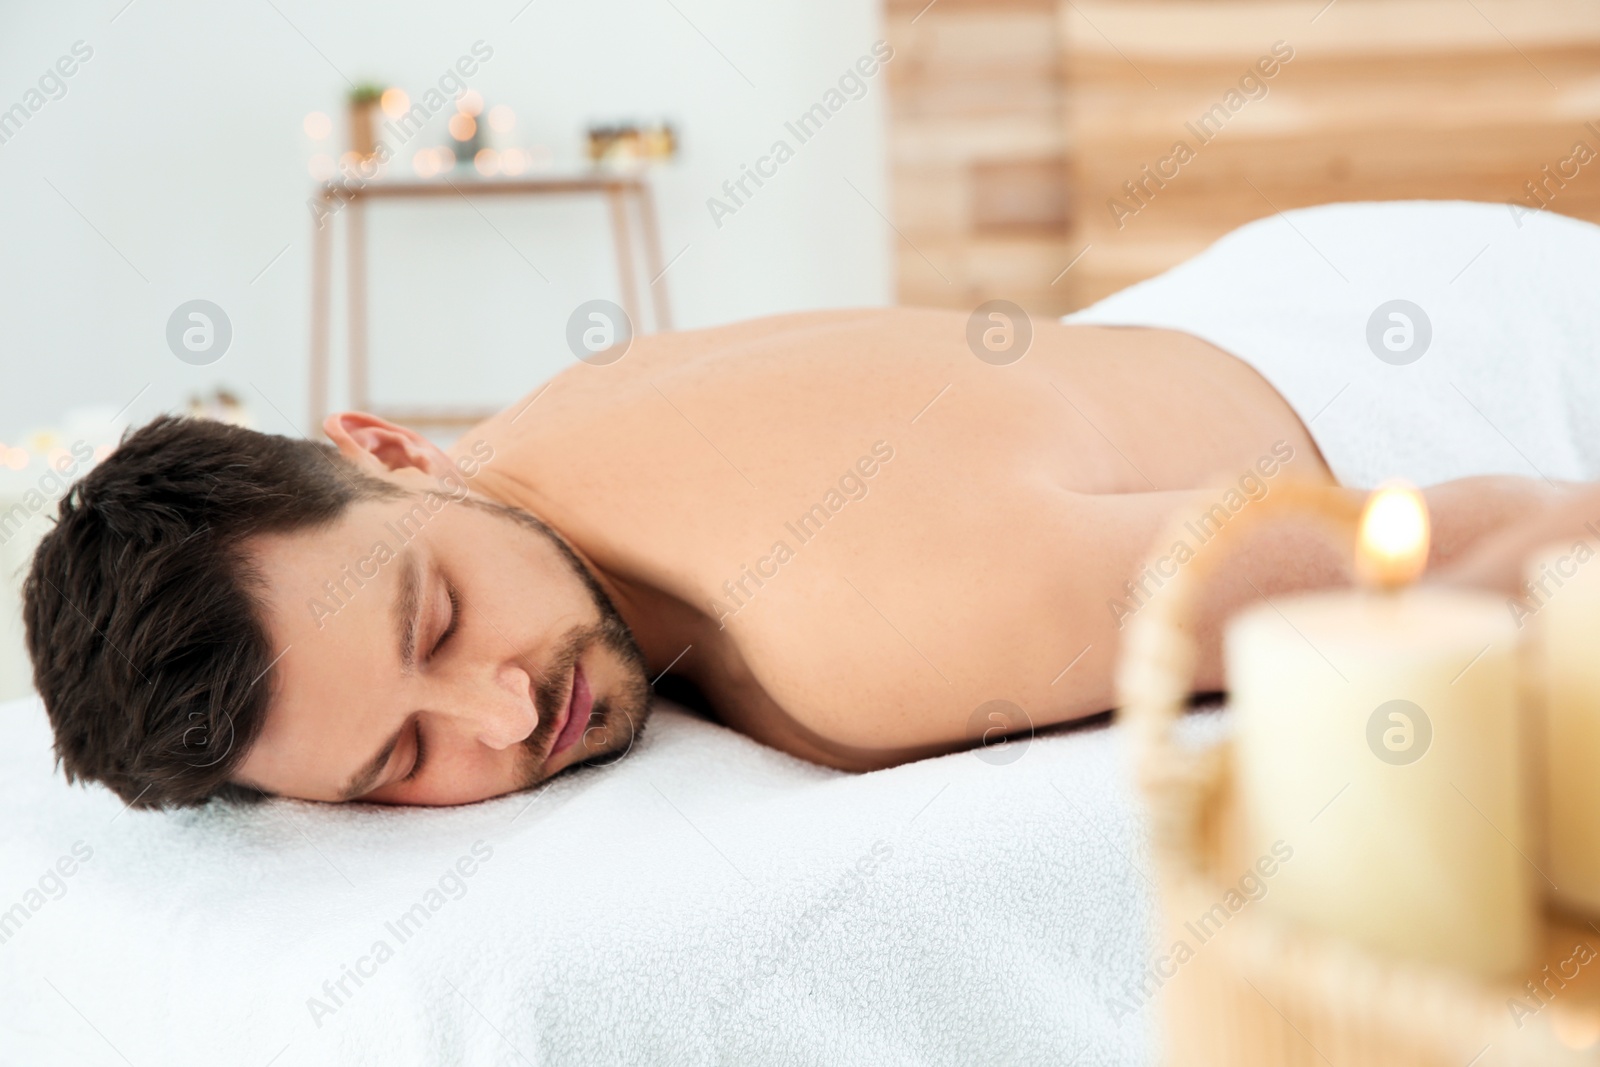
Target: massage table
703	900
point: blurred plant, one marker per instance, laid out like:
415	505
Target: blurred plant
364	100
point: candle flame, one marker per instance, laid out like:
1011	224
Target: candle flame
1392	547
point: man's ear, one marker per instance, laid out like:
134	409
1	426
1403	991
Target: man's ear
379	447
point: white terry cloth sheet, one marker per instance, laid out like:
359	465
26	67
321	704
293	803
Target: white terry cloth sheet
705	900
1508	383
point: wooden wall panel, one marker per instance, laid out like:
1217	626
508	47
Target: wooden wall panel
1383	99
993	102
978	152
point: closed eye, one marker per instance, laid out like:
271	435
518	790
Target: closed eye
416	763
450	627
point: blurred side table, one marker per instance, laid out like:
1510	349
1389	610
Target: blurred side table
349	202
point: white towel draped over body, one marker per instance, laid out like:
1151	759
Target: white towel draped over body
1508	384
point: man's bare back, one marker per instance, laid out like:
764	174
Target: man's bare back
988	516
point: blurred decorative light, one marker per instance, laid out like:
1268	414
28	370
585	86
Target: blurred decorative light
487	161
425	163
463	126
317	126
1576	1028
502	119
513	161
16	458
321	166
394	101
471	102
58	457
101	452
446	158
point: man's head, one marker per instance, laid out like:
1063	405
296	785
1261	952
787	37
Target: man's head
220	612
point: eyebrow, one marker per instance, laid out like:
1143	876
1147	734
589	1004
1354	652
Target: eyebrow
406	605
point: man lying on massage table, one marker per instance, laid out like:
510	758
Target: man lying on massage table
841	529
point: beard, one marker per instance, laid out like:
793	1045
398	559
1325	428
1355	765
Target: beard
616	720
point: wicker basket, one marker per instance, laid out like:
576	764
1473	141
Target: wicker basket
1264	990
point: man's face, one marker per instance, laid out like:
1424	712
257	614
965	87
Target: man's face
430	650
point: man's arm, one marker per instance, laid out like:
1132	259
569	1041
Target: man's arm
1565	513
1298	555
1036	617
1509	514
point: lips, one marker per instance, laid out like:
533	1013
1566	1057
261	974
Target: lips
577	713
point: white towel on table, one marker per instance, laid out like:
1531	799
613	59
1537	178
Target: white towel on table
1508	383
705	900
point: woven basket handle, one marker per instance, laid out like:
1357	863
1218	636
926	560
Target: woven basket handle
1156	670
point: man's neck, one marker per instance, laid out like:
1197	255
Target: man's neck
666	628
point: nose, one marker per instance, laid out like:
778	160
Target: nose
509	715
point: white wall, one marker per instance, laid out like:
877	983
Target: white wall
179	146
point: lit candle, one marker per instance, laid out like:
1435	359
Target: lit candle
1560	606
1377	738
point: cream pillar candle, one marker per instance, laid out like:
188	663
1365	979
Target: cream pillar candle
1560	607
1377	735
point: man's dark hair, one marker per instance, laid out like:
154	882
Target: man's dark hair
142	608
